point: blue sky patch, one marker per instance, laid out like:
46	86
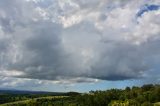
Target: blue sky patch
147	8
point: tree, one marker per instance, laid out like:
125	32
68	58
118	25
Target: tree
127	89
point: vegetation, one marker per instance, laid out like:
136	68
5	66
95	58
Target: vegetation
10	97
147	95
42	101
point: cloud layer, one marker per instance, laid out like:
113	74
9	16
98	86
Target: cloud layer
78	41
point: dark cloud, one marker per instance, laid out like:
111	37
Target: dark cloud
77	42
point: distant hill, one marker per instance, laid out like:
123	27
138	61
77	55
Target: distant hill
10	91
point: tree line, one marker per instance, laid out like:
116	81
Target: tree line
135	96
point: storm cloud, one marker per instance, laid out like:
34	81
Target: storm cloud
79	41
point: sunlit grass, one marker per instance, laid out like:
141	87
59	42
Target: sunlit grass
34	100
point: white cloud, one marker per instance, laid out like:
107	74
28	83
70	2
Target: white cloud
77	41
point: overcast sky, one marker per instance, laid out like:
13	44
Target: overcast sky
80	45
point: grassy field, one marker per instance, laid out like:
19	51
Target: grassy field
49	98
157	104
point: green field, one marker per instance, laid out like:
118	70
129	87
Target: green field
157	104
38	101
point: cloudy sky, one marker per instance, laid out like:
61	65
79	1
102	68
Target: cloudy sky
79	45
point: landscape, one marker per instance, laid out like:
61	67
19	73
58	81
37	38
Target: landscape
79	52
147	95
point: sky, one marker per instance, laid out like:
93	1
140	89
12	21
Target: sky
79	45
